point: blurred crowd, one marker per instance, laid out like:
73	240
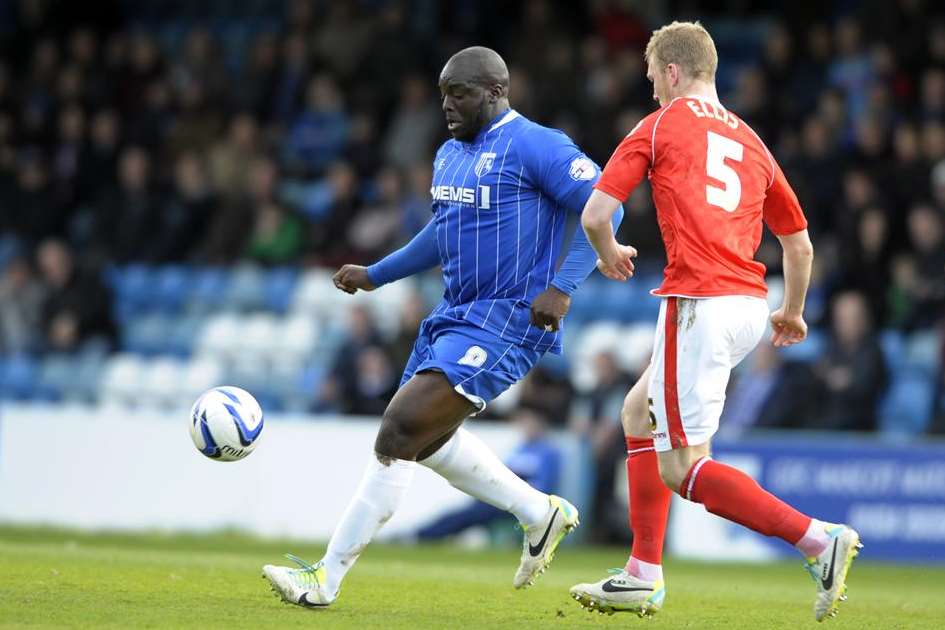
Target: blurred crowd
301	133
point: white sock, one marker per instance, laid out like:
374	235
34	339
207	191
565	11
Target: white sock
470	466
374	502
644	570
815	540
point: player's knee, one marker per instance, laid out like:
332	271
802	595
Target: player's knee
673	471
396	437
671	477
634	418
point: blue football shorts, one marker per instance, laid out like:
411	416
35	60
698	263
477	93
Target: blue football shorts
478	364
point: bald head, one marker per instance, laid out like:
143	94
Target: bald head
474	85
478	64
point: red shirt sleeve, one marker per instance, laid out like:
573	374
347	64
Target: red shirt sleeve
630	162
782	211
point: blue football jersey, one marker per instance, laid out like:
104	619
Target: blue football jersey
500	204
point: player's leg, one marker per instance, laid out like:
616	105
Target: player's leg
425	409
421	411
708	338
649	498
639	587
480	366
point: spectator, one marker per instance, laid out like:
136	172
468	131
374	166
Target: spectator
66	156
377	228
187	212
865	260
765	394
416	125
99	160
607	445
412	315
30	203
229	231
550	392
341	385
77	305
337	199
318	135
231	158
128	215
21	302
375	382
927	237
276	238
851	377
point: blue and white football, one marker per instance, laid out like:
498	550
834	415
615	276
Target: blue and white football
225	423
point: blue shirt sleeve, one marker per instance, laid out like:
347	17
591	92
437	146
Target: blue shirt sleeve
420	254
581	259
558	167
563	172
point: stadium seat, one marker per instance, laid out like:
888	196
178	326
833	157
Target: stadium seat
300	393
906	409
922	350
296	339
207	288
87	376
892	344
135	286
279	287
316	295
246	291
220	336
162	381
56	373
171	287
199	375
259	334
146	334
122	380
18	377
183	332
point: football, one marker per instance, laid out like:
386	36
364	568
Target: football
225	423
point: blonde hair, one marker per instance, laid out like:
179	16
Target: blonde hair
686	44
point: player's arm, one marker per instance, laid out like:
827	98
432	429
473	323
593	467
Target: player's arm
788	321
420	254
783	214
615	259
563	172
625	169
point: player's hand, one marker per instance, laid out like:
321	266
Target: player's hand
788	329
549	307
620	267
350	278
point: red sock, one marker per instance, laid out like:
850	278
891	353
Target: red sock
649	501
731	494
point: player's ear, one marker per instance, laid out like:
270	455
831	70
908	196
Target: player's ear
495	92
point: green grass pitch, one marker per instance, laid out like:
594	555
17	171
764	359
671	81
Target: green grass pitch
61	579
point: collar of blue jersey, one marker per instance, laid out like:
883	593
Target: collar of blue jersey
506	116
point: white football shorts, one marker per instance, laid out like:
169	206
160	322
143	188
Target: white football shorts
698	342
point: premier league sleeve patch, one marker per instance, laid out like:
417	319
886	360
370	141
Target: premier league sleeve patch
582	168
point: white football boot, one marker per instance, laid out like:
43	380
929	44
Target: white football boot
621	592
829	569
304	586
543	538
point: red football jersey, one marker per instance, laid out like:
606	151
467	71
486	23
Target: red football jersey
713	181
